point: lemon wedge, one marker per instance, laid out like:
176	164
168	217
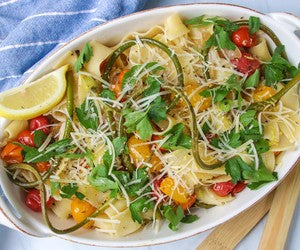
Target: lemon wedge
85	83
30	100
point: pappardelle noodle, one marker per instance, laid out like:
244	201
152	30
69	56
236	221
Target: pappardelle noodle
184	116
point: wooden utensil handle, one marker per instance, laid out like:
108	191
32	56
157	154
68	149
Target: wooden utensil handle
229	234
281	212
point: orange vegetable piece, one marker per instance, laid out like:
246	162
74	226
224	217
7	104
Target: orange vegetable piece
43	166
141	153
190	202
117	87
178	194
12	153
80	210
263	93
193	93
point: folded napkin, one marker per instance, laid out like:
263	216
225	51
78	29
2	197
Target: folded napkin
30	29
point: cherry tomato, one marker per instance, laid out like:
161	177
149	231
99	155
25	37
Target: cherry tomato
103	65
12	153
156	185
246	64
26	137
40	123
43	166
191	201
239	187
223	188
33	200
80	210
243	38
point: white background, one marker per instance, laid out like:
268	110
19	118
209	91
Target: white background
12	240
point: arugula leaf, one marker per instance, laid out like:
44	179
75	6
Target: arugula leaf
122	176
137	207
247	117
158	110
144	128
262	146
141	177
85	56
39	137
119	144
240	170
173	217
71	189
225	105
32	155
54	186
235	167
254	24
177	139
88	115
253	80
224	39
154	86
219	93
132	119
107	93
99	179
189	218
196	21
278	68
137	71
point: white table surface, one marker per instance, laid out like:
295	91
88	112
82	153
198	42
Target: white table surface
12	240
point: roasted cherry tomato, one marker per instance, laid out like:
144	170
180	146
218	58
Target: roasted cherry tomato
103	66
26	137
191	201
12	153
239	187
33	200
40	123
80	210
43	166
156	188
243	38
223	188
246	64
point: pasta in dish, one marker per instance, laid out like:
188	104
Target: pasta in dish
185	115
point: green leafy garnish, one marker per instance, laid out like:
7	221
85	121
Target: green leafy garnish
141	178
189	218
279	68
32	155
253	80
85	56
247	117
240	170
99	178
219	93
67	191
254	24
222	30
54	186
107	93
137	71
137	207
88	115
178	138
39	137
173	217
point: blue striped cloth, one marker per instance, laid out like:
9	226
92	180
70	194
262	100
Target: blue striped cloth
30	29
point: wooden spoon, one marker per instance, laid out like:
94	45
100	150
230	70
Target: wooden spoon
281	212
229	234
